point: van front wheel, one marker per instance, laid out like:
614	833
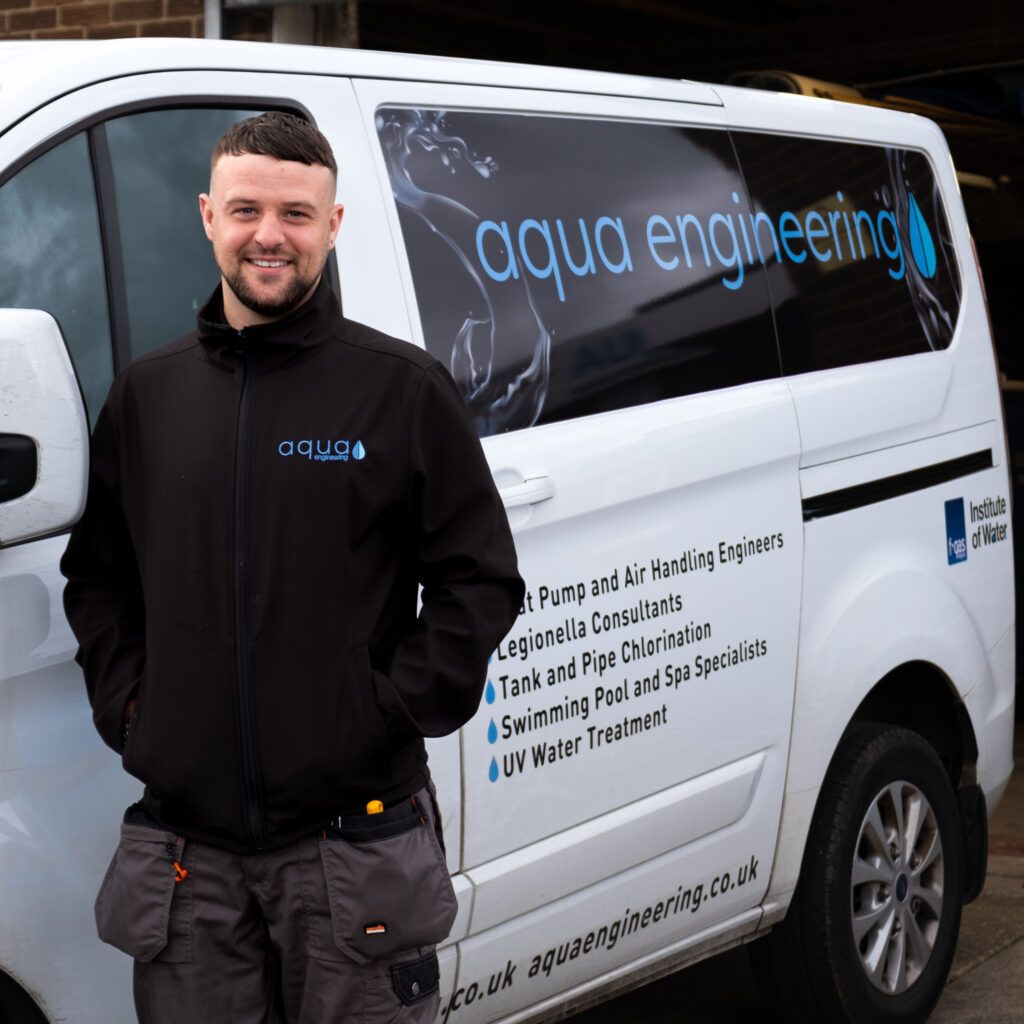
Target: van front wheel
872	929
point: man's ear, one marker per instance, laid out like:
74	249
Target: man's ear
337	212
206	212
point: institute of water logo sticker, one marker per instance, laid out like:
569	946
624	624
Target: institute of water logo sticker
956	531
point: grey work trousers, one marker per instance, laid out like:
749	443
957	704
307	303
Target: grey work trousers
289	936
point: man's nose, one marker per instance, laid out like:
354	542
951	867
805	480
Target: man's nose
268	231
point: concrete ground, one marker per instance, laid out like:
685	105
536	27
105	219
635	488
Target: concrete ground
986	984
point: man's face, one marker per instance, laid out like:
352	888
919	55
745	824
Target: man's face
272	224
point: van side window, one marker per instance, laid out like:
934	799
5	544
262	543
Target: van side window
860	260
53	258
161	162
570	266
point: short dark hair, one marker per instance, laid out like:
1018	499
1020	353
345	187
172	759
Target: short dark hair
277	134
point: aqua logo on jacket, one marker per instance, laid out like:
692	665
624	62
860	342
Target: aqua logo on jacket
322	449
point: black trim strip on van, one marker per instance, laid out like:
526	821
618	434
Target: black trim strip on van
833	502
110	235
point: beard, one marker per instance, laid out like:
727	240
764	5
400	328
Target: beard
284	303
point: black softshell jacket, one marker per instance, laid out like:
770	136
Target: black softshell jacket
262	507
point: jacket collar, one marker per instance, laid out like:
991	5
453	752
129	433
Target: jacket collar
317	320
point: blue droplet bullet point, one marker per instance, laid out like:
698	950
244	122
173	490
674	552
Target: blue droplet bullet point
489	692
492	773
492	732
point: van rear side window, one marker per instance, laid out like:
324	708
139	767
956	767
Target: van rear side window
859	255
568	266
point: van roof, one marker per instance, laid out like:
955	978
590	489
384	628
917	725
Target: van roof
71	65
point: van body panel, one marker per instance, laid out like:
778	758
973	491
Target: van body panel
61	799
991	707
899	394
648	967
575	858
546	947
61	795
884	575
76	65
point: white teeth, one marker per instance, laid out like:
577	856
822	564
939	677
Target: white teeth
270	263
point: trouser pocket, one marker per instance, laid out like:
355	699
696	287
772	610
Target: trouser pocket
146	878
387	883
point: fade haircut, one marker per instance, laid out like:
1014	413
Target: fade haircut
282	136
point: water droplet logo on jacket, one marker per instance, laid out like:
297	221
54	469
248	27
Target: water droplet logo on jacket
322	449
921	245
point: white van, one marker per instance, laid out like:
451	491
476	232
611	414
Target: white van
729	355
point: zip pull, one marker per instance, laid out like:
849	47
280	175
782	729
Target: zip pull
180	873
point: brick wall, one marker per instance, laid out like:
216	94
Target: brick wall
99	19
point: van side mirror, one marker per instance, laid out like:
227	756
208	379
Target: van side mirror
44	433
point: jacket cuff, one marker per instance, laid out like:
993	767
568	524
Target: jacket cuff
400	725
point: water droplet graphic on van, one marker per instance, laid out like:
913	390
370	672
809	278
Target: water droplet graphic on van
358	451
921	244
492	772
489	692
492	732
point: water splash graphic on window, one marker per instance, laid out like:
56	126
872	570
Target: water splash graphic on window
510	398
936	320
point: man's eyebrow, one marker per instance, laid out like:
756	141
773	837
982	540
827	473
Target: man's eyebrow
294	204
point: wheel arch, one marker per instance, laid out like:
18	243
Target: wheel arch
918	695
903	638
16	1004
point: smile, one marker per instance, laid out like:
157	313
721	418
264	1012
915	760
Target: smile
270	264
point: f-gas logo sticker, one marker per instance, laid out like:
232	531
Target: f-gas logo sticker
956	531
322	450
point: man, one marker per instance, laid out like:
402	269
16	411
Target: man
266	495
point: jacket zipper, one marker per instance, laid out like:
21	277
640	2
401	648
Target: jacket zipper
252	783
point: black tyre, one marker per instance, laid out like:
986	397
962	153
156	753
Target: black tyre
870	935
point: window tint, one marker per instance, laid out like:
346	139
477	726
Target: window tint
860	261
53	259
161	162
570	266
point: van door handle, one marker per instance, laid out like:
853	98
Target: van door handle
529	492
